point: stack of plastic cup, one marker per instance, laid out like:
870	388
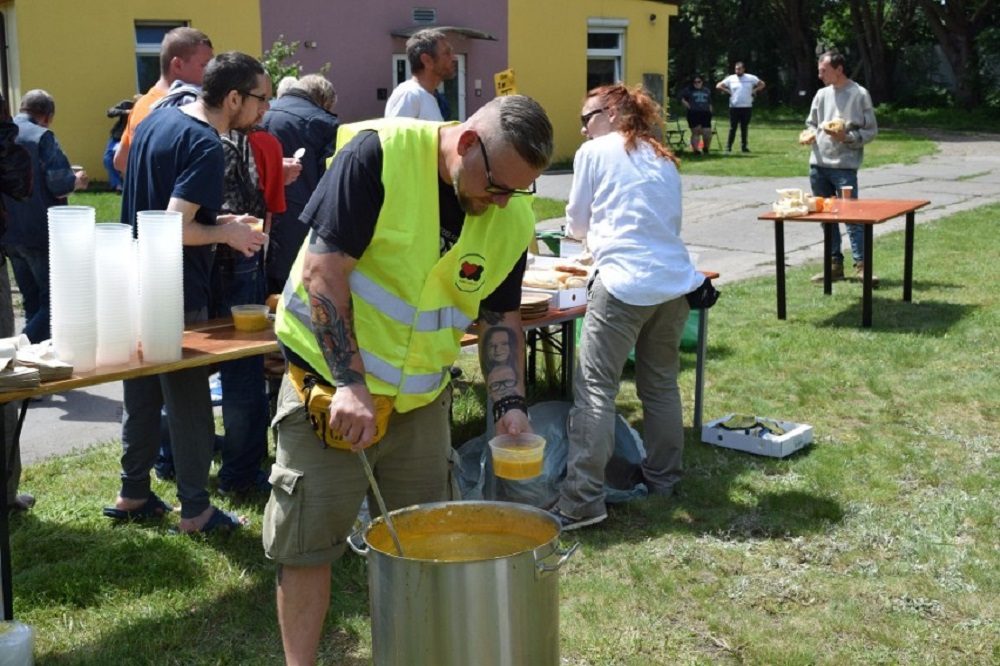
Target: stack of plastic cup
115	317
161	285
133	295
73	285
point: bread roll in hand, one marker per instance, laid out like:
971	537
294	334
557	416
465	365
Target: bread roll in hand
833	126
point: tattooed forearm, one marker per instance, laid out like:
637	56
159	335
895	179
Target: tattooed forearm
499	358
336	338
489	318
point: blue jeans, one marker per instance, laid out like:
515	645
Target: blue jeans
31	271
827	183
238	280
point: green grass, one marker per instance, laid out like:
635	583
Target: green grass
877	544
107	206
776	152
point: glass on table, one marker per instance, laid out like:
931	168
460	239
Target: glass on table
844	194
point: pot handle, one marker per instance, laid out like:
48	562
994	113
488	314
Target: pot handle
362	551
542	569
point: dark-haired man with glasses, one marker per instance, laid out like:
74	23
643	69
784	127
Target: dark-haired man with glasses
418	229
176	163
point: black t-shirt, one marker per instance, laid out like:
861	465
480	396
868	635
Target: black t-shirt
349	198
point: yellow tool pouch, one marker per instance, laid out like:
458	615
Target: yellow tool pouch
317	395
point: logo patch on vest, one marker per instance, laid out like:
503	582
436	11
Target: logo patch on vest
470	273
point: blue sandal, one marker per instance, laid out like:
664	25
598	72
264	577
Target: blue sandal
221	521
153	508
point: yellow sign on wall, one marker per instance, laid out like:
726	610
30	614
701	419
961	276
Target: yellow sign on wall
504	83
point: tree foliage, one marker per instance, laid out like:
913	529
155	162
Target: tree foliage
957	26
275	61
780	40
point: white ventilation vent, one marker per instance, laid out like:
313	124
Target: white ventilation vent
424	15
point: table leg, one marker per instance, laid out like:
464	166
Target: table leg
866	290
531	341
699	367
569	357
6	575
908	259
779	256
828	231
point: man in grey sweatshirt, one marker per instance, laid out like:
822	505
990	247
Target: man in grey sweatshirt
838	149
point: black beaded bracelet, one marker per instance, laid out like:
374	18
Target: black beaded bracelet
507	403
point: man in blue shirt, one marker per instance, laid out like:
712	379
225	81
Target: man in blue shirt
27	237
177	164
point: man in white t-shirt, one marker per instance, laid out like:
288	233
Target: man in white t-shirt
741	88
432	61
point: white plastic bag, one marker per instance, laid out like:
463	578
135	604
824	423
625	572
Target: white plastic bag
17	643
623	478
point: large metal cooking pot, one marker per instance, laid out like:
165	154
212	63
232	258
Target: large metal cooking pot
478	584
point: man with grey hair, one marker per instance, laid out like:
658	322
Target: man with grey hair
417	231
303	119
27	237
432	60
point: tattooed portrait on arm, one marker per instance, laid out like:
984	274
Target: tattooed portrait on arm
498	356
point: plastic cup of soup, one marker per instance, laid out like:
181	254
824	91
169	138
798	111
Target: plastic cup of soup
250	317
517	457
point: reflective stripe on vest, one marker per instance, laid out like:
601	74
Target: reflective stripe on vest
395	307
376	366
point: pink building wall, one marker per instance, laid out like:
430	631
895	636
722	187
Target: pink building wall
354	36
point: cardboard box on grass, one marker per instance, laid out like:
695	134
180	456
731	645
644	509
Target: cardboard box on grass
796	436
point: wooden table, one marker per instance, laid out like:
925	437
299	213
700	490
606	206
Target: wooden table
867	212
204	343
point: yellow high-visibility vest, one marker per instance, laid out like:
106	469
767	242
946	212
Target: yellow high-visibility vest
411	305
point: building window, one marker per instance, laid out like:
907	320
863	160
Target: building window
148	37
605	52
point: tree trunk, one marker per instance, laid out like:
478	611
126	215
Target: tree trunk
956	25
798	41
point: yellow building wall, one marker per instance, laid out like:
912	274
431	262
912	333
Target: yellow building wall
83	53
548	52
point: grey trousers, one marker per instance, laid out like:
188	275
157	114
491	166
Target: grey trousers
611	329
192	432
8	411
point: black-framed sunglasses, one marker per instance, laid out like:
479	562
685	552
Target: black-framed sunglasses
585	118
697	80
255	96
493	188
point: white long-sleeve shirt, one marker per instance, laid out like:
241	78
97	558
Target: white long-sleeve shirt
628	206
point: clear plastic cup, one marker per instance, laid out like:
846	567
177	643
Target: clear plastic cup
517	457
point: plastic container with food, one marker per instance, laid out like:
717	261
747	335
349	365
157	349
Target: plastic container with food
250	317
517	457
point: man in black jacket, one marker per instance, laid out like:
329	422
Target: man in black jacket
302	118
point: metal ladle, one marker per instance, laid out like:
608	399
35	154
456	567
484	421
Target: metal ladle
381	502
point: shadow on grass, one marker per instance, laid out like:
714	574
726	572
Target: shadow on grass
182	609
896	316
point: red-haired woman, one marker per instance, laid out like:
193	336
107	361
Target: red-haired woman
626	201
